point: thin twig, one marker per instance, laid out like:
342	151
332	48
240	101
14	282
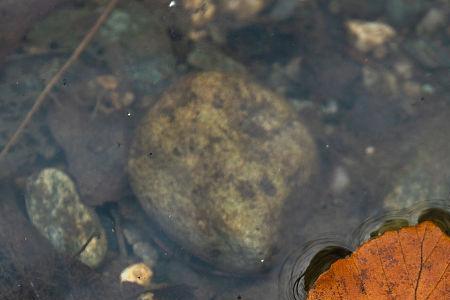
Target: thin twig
78	253
70	61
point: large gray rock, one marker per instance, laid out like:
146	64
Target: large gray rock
213	161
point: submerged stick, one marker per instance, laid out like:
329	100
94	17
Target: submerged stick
70	61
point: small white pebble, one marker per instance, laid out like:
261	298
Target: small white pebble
330	108
172	3
370	150
138	273
340	180
369	35
428	88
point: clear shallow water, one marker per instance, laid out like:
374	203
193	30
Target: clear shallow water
374	116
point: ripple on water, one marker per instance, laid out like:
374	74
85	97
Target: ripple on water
303	266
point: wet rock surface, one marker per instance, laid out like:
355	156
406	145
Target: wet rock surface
213	161
55	209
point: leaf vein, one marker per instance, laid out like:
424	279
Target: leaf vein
382	268
404	260
421	261
439	280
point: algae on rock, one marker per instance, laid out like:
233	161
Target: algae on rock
55	209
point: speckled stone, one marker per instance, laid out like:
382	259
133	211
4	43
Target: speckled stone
55	209
423	179
213	161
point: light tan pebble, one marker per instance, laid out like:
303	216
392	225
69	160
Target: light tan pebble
147	296
244	9
138	273
370	150
202	11
108	82
369	35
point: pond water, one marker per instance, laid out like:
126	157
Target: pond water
221	143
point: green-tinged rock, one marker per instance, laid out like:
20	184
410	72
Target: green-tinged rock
137	46
55	209
405	12
428	53
213	161
133	43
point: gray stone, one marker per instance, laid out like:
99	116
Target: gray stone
426	176
404	12
428	53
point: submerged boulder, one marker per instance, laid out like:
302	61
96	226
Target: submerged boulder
213	162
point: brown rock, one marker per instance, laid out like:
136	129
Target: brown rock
212	163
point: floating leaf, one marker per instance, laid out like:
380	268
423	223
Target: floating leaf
410	263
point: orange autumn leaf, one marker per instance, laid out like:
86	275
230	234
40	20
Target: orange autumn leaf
411	263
